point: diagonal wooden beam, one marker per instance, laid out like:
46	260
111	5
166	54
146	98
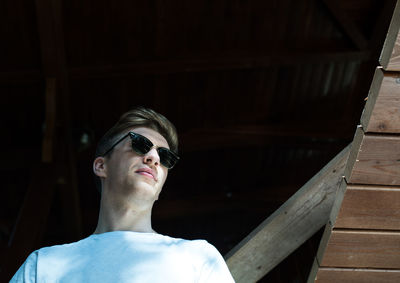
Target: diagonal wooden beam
290	226
347	24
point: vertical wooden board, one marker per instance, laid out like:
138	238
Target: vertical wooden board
389	58
394	62
362	249
338	202
373	94
377	161
366	207
314	270
382	111
354	151
324	242
334	275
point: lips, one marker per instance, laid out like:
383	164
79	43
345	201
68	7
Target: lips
147	172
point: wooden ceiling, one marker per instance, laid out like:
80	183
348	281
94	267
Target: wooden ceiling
263	94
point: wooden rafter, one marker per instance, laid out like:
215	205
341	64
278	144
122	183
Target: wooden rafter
347	24
49	133
210	64
54	65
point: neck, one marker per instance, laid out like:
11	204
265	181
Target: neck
123	215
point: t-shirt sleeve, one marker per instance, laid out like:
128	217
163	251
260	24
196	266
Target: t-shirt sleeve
214	269
27	271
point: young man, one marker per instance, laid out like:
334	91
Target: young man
131	166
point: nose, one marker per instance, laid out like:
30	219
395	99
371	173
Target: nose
152	157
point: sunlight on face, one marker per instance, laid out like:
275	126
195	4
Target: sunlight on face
135	175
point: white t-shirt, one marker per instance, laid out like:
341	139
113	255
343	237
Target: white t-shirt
125	256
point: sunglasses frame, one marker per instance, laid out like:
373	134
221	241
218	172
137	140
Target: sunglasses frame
131	135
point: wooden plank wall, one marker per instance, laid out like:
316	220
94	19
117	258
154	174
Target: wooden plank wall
361	242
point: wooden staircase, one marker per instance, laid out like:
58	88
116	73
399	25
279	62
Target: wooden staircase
361	242
357	196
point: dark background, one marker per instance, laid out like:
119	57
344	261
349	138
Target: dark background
263	94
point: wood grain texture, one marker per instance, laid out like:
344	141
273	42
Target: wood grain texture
324	242
355	148
362	249
394	62
337	203
370	208
288	227
373	94
382	110
334	275
377	161
313	272
390	55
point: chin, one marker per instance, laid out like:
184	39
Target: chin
145	189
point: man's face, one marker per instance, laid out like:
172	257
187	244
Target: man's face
131	174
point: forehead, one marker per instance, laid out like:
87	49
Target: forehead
155	137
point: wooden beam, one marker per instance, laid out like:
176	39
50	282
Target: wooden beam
381	113
188	65
49	19
375	160
288	227
390	55
50	123
218	63
347	24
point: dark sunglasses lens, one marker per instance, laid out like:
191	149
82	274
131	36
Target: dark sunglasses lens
167	158
141	144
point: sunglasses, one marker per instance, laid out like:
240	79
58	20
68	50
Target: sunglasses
143	145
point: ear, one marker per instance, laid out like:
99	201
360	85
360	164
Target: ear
99	167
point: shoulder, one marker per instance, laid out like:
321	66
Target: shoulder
48	260
27	271
214	268
63	249
201	246
212	265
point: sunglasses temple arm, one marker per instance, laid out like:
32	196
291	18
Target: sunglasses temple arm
115	144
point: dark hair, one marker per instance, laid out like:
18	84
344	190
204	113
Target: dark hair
137	117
